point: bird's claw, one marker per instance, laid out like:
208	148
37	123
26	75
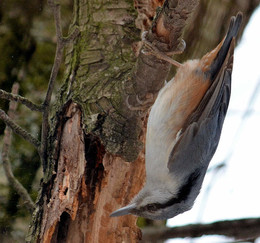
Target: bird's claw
143	103
152	50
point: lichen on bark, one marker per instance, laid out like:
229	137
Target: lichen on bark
97	66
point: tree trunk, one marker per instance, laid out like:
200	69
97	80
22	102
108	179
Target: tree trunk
93	132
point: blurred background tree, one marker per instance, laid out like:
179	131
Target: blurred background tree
27	47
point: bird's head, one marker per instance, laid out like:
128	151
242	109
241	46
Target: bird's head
156	204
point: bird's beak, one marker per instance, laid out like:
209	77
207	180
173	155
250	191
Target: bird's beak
124	211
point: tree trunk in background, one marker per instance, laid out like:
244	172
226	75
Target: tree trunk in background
91	140
209	23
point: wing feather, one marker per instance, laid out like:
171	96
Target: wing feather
201	133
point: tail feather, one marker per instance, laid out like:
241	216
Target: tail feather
217	63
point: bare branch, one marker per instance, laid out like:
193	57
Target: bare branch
20	99
54	72
61	41
71	36
18	187
59	49
19	130
239	229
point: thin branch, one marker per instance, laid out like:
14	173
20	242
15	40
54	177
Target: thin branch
54	72
239	229
72	36
17	186
19	130
58	54
20	99
61	41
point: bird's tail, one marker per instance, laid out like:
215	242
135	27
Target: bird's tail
213	61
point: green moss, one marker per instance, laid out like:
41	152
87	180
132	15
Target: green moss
97	65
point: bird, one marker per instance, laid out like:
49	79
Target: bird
183	132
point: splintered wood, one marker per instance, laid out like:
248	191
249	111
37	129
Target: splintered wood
89	185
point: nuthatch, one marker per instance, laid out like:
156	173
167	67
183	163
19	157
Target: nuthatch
183	132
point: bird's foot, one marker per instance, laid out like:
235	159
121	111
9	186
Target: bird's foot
143	104
152	50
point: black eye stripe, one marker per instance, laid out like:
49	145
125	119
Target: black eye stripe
149	207
181	196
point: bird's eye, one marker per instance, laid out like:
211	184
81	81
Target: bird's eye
151	207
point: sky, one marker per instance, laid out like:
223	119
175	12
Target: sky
231	186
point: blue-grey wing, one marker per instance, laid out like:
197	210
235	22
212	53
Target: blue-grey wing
199	140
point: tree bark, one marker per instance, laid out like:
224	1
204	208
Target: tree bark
88	186
93	132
